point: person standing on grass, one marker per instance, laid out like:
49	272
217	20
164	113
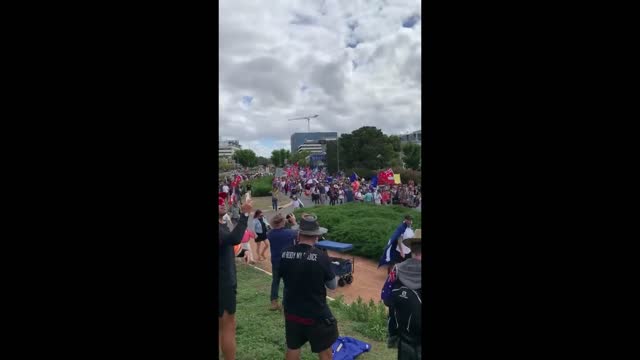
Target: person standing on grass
341	195
235	212
368	198
349	194
405	302
307	273
323	194
260	228
377	198
274	198
227	282
279	238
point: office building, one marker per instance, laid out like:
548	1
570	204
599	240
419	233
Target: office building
226	148
414	137
298	139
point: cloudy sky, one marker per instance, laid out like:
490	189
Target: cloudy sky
353	62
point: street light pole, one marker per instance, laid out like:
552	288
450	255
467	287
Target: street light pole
338	149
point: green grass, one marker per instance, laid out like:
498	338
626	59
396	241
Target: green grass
261	186
260	332
368	227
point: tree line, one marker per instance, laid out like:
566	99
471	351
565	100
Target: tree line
367	147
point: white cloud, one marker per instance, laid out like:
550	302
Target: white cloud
293	58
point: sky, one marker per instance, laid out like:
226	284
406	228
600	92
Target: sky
353	62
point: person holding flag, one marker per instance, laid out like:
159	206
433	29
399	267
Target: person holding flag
392	253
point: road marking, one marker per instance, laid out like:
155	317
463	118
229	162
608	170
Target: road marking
270	274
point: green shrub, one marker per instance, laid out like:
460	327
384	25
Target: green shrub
370	318
368	227
261	186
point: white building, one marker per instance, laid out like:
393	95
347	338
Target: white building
414	137
226	148
312	146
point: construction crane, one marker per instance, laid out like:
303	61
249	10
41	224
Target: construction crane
308	118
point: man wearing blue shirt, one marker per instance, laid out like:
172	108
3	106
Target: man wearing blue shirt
279	238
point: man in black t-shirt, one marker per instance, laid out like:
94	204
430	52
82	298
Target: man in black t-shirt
307	273
227	277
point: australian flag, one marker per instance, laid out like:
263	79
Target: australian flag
353	177
374	181
387	255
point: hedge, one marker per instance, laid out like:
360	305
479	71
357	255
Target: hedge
368	227
261	186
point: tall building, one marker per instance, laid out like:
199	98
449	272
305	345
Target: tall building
298	139
226	148
414	137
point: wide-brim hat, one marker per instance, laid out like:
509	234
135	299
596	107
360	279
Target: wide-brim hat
308	225
415	239
277	221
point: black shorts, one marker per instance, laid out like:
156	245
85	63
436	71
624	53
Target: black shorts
320	335
260	238
227	300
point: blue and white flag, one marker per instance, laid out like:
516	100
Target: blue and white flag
386	257
353	177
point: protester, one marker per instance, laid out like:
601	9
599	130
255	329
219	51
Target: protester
377	197
392	253
405	302
296	203
274	198
290	221
235	212
358	196
323	195
341	195
227	282
315	195
279	238
349	194
260	228
245	247
368	198
307	273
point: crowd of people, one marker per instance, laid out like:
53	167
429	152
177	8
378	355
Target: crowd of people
339	189
306	271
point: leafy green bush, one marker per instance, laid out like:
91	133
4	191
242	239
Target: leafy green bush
261	186
368	227
370	318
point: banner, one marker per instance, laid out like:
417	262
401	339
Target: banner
396	179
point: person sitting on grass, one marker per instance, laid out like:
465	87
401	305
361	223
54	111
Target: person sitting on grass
307	273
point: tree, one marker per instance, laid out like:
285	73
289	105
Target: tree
262	161
300	158
412	155
279	156
245	157
367	148
332	157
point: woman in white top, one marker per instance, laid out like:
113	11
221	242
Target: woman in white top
341	195
377	198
